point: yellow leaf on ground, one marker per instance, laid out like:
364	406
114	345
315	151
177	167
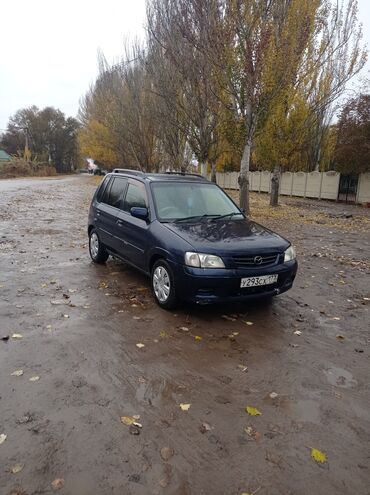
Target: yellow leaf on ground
318	456
185	407
197	337
128	420
252	411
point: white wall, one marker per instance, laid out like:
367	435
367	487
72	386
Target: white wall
363	189
320	185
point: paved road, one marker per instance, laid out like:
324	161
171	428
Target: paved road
80	324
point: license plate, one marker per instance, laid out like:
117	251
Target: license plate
256	281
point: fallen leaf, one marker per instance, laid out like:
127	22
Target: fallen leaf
273	395
197	337
66	316
184	329
57	484
163	334
248	323
140	345
34	378
297	332
204	427
17	373
185	407
136	318
252	411
318	456
58	302
17	336
251	432
340	337
17	468
242	367
336	318
235	334
2	438
72	291
131	420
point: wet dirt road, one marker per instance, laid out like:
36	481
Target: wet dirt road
80	323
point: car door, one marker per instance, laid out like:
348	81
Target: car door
108	211
134	231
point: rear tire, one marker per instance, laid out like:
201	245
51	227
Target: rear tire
163	285
97	250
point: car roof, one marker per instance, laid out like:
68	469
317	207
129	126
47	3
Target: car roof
167	176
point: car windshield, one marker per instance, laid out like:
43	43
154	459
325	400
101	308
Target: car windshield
179	201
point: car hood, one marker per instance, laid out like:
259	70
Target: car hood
229	236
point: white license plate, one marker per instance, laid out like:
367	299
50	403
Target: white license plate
256	281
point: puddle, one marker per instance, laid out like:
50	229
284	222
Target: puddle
340	377
157	392
306	411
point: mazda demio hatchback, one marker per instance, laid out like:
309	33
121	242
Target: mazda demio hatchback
189	237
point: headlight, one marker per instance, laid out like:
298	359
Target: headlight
289	254
202	260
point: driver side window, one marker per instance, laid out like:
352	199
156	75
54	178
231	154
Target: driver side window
135	197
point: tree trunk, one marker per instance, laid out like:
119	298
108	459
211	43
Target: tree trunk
243	178
275	181
203	168
213	173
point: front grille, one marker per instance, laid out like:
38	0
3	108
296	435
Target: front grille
255	261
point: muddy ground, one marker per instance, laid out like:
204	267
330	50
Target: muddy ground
80	325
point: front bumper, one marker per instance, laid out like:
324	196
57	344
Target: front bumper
207	285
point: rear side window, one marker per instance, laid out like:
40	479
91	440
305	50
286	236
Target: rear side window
135	197
113	193
102	189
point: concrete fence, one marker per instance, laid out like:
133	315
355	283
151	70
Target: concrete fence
319	185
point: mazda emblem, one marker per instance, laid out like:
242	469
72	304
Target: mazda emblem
258	260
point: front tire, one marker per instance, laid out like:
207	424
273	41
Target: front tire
97	251
163	285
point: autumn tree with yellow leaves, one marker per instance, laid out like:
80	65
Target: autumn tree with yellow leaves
228	82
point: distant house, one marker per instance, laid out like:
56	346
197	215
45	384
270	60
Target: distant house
4	157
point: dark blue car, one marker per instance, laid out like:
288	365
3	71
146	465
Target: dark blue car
189	237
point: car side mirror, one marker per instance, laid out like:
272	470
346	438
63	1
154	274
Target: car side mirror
141	213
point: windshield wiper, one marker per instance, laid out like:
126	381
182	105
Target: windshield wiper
193	217
228	215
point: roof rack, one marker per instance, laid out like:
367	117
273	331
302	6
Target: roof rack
185	173
127	171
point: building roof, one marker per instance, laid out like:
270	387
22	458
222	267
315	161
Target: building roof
4	157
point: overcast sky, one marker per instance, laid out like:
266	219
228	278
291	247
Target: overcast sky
48	50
